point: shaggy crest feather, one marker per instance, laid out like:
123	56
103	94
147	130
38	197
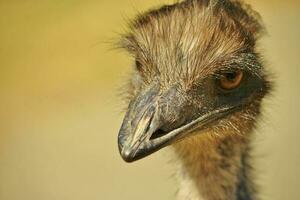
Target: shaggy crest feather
192	39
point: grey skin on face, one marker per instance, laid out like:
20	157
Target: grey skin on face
147	126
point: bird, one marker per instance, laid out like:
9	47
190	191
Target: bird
197	86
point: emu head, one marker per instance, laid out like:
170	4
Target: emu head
196	69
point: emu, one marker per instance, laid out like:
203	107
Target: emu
197	86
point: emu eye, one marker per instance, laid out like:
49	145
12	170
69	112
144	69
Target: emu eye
231	80
138	65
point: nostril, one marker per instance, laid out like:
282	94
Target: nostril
157	134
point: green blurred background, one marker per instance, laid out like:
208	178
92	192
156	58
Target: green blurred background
60	110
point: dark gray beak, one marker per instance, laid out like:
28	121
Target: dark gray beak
146	127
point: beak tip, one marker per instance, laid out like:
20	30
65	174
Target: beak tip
127	155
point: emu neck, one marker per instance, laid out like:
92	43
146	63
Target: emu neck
214	168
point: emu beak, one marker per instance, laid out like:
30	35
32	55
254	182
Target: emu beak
142	131
139	124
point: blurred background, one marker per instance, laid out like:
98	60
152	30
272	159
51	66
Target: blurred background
60	110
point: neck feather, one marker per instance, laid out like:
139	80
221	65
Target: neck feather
214	168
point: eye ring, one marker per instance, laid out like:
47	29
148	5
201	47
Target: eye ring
231	80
